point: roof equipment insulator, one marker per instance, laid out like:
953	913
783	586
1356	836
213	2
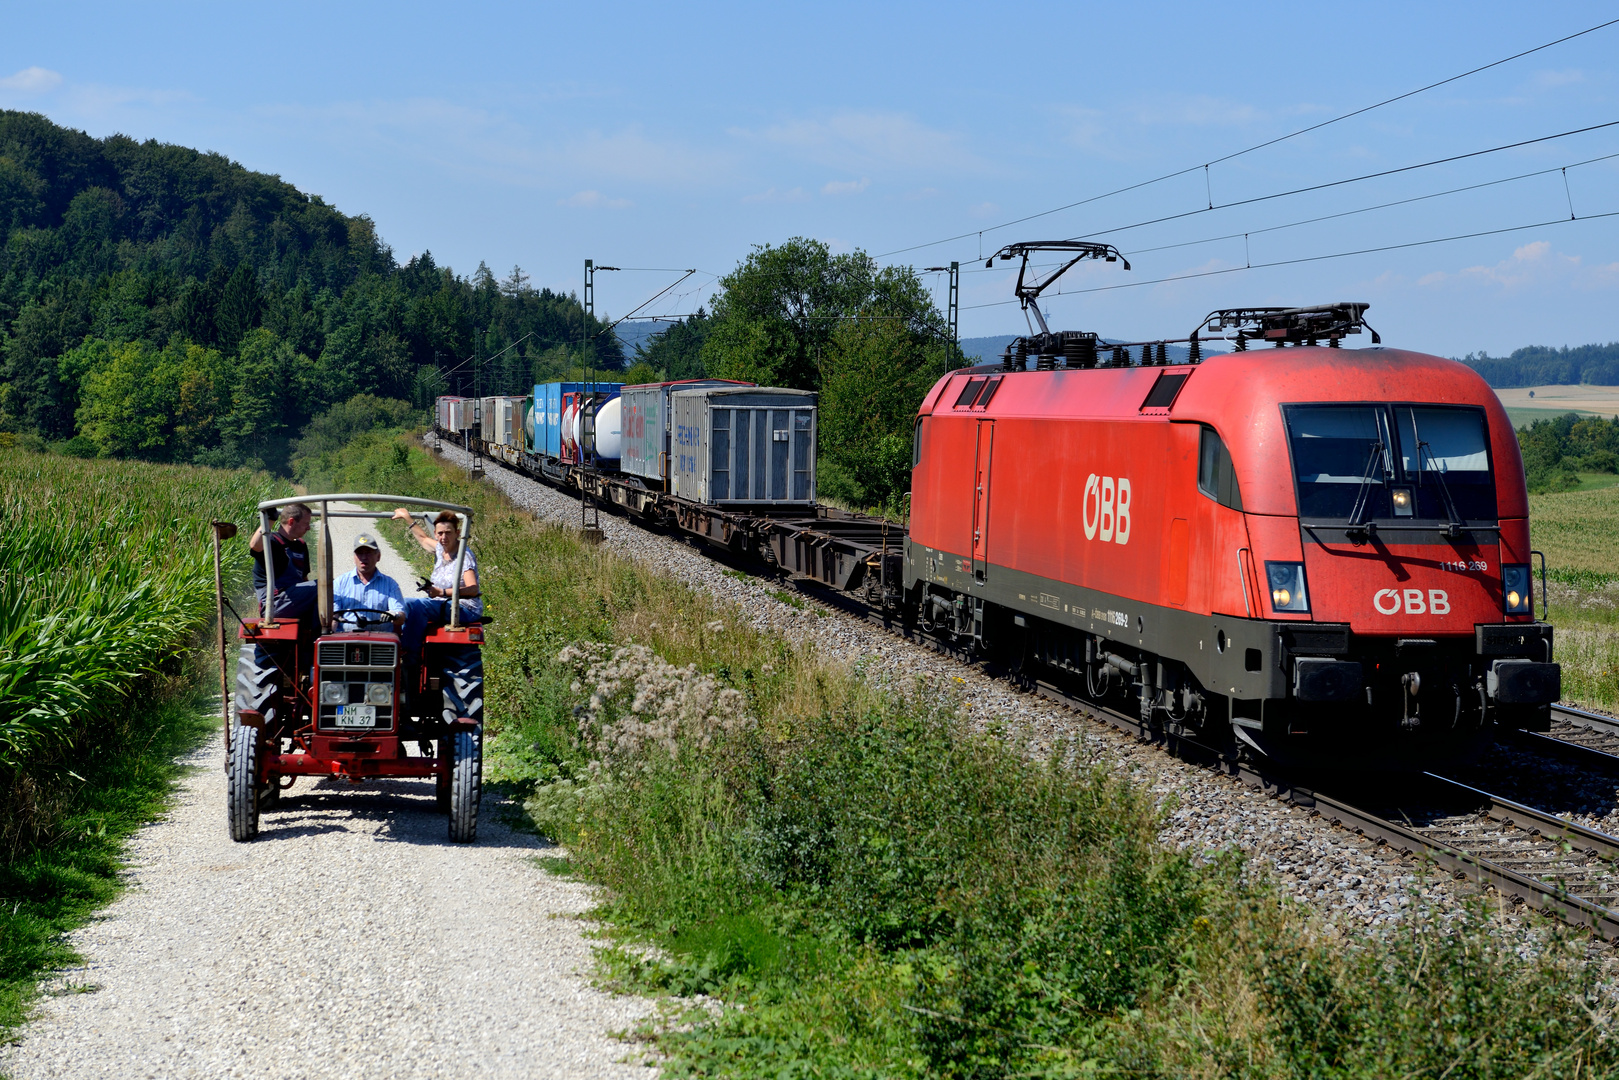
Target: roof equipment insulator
1163	354
1242	344
1006	358
1121	358
1045	362
1022	354
1079	350
1194	354
1332	342
1146	356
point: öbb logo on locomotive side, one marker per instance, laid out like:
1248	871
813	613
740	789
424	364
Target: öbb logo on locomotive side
1413	601
1107	508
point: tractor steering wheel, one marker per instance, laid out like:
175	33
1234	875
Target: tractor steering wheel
346	615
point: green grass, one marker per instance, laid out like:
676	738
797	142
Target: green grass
109	587
871	888
1577	530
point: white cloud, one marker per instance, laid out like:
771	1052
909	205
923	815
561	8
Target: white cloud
846	187
1552	79
594	200
32	80
773	195
861	141
1534	264
984	210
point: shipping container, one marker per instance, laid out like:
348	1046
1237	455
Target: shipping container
503	421
743	445
457	414
646	424
444	412
544	425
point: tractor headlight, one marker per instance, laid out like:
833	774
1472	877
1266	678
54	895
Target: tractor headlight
1515	599
1287	590
334	693
379	693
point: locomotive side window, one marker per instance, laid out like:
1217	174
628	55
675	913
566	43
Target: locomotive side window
1215	476
916	444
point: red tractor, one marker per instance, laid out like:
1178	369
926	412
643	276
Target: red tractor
339	697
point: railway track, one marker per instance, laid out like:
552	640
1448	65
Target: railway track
1551	864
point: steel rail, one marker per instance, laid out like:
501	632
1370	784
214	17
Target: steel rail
1544	896
1575	753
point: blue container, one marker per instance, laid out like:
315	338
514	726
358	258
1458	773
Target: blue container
545	430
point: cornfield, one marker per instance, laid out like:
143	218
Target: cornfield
106	575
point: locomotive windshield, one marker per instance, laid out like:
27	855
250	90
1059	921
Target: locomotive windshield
1362	463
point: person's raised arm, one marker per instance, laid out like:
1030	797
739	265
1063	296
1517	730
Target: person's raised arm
256	543
422	536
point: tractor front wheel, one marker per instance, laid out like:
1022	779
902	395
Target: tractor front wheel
466	782
242	784
441	779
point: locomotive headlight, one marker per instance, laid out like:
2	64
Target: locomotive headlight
334	693
1287	591
1515	599
1403	503
379	693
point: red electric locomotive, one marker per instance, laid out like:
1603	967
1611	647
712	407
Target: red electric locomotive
1321	554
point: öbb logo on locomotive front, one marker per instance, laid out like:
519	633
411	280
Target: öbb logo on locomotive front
1107	508
1391	601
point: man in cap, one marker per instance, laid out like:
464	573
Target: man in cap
367	587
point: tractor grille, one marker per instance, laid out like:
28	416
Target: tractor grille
353	683
357	654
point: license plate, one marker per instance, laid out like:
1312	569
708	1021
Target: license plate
356	716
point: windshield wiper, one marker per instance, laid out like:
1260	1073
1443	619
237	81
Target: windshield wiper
1362	496
1454	528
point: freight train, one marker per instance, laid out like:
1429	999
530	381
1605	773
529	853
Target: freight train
1305	553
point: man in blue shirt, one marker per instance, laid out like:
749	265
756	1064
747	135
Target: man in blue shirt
366	587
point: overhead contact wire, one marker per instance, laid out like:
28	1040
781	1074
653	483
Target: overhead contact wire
1257	146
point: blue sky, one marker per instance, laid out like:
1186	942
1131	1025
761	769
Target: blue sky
680	135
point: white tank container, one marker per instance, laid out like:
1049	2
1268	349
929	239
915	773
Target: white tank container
609	437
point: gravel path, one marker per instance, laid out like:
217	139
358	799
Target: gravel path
352	939
1350	882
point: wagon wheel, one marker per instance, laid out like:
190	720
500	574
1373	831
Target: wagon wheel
466	782
241	784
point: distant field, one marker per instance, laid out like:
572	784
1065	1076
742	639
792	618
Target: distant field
1530	403
1576	529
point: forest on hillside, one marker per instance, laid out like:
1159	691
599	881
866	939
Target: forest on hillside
166	303
1538	365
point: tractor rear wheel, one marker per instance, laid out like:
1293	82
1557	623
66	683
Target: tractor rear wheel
242	784
466	783
258	685
463	684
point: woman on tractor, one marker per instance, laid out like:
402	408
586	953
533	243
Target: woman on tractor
445	545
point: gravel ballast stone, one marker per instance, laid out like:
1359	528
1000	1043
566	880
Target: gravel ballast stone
351	939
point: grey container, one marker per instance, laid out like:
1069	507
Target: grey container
743	445
645	419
